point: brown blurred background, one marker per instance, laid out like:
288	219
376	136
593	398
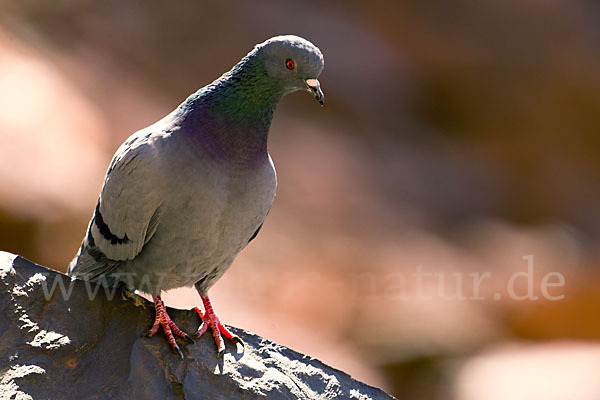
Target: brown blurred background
458	137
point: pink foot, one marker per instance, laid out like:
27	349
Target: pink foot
210	320
168	326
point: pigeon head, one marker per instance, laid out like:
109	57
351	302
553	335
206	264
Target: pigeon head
246	96
292	63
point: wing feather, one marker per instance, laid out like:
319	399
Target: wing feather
129	202
128	210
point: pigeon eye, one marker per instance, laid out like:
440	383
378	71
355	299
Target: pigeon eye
289	64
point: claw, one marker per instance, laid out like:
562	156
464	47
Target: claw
210	320
236	339
188	338
169	328
178	351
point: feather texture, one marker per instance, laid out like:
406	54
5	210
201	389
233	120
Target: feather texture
184	196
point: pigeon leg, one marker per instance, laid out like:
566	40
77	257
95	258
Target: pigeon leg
210	320
168	326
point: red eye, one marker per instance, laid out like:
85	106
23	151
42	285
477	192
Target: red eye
289	64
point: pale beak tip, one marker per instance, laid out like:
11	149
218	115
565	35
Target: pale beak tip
315	87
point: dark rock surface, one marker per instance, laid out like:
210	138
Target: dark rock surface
54	348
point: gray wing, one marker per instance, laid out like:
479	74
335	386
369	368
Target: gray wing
127	213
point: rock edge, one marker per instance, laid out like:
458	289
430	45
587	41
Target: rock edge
59	344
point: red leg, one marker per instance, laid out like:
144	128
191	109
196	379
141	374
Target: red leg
168	326
210	320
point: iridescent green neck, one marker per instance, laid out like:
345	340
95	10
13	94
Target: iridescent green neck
246	93
232	116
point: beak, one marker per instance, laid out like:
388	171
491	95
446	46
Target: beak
315	87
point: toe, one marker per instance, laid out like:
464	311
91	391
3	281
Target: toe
172	342
220	348
219	342
199	312
201	330
152	331
176	331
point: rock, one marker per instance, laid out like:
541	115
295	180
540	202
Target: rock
71	339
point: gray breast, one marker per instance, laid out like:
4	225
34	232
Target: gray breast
211	213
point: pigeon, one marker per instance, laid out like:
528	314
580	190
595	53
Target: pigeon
182	197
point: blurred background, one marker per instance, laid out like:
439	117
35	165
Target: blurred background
457	138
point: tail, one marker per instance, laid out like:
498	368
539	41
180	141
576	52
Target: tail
91	264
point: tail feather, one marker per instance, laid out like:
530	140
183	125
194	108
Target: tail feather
90	263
